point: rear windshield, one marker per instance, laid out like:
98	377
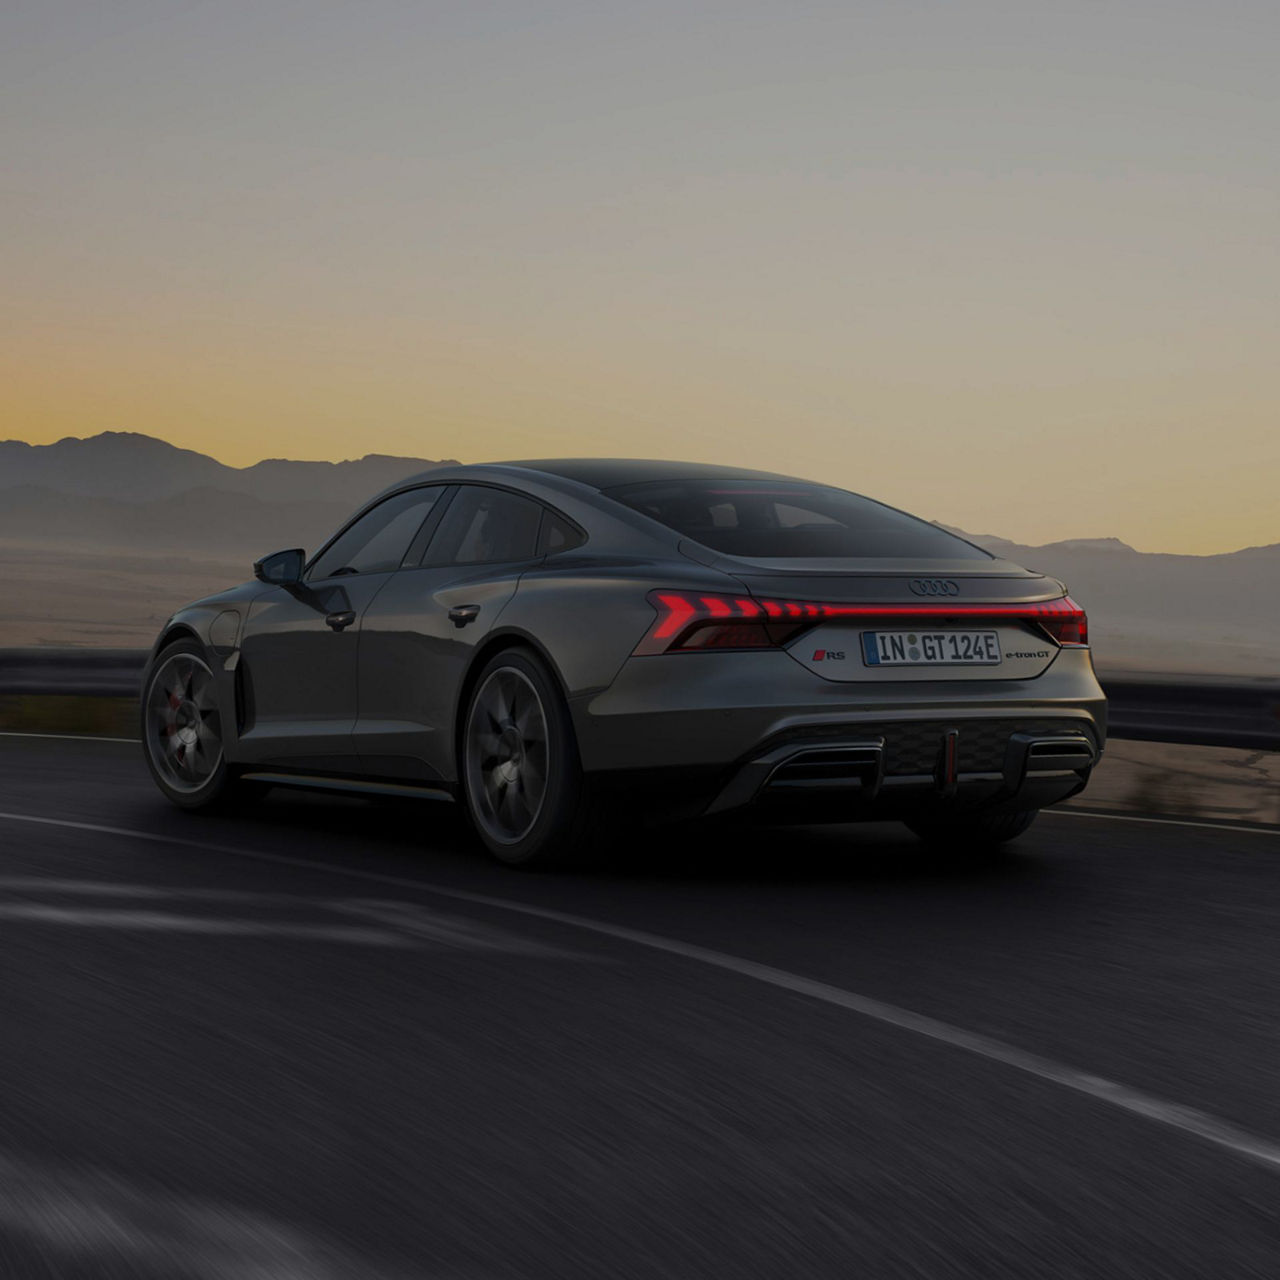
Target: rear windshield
790	520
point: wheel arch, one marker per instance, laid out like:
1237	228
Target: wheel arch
174	632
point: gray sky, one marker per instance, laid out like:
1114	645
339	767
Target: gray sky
1012	266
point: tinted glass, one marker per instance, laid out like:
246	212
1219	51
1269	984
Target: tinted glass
790	520
378	540
486	526
559	535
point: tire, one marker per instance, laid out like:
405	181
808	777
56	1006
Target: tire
522	780
972	832
181	723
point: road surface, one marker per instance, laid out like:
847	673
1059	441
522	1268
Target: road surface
326	1040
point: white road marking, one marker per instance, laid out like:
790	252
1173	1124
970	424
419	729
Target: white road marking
70	737
106	889
97	1218
410	923
1163	822
1200	1124
172	922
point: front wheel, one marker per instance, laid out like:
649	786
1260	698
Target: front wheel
972	831
182	731
521	778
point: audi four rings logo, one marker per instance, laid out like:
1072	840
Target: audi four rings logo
934	587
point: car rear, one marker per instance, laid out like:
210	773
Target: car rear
851	661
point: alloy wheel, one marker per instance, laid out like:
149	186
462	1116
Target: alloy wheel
182	724
507	755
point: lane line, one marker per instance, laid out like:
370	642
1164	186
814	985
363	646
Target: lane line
1164	822
408	921
174	922
1200	1124
69	737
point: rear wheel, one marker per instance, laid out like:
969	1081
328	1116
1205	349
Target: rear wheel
521	777
972	832
182	731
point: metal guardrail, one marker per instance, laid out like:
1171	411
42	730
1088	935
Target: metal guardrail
1199	710
105	673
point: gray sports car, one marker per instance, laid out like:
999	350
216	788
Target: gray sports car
564	645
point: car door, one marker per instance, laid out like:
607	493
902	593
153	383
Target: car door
419	635
300	642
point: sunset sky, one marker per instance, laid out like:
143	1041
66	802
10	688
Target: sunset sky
1014	266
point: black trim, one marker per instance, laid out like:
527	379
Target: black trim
422	539
345	784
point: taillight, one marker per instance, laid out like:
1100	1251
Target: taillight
1067	624
687	621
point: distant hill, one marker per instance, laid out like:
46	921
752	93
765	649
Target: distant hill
124	466
1021	552
1210	613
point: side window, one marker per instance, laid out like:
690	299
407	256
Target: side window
486	526
377	541
559	535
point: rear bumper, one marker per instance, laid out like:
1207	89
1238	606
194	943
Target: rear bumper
757	729
988	764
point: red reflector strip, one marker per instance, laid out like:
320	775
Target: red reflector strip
1062	618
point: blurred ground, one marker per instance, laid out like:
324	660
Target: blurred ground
324	1039
99	597
1185	782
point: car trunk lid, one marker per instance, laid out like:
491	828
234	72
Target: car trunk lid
936	620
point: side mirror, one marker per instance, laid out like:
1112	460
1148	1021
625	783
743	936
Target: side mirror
281	567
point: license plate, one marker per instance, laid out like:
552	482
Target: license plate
930	648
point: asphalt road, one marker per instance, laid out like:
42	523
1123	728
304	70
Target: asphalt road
327	1041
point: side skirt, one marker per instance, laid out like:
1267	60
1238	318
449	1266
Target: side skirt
347	786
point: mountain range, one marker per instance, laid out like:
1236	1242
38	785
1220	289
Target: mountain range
129	503
124	466
121	489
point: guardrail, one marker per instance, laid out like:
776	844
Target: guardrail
103	673
1199	710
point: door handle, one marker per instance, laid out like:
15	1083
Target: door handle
461	614
343	619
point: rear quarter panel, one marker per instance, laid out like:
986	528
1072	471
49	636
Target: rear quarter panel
588	612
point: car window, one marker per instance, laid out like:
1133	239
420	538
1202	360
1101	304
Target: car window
788	519
559	535
377	541
486	526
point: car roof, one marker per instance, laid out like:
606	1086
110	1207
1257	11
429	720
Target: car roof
568	474
606	473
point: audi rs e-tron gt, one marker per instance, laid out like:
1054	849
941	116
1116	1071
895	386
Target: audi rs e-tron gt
558	644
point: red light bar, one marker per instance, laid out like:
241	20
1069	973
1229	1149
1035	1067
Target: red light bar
760	623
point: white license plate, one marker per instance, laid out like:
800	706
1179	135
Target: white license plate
930	648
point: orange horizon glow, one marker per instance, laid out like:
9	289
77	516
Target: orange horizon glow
1026	289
